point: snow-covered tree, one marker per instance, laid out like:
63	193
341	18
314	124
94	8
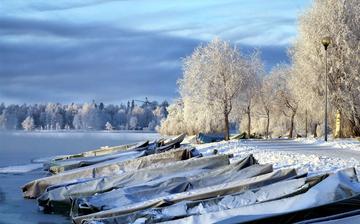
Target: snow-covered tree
174	123
108	126
340	20
252	89
28	124
53	116
265	102
286	102
133	123
214	76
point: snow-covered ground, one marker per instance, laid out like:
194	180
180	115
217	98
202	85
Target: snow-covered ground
312	156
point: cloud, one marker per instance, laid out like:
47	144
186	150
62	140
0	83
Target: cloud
73	55
94	62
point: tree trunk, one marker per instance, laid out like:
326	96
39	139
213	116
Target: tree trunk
249	122
267	124
292	125
227	131
315	130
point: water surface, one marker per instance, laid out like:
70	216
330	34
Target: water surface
19	148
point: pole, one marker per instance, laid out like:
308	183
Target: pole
306	124
326	97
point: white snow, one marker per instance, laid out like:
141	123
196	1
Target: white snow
350	143
312	162
21	168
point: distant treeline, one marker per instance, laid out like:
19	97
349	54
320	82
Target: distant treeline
87	116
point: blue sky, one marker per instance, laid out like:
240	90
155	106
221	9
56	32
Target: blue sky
112	51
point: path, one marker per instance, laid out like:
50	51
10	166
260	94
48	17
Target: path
305	148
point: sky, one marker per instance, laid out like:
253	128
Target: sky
113	51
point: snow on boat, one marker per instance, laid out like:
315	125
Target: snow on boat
56	197
37	187
109	167
209	138
328	195
160	182
69	164
171	184
287	201
197	194
183	209
104	151
105	154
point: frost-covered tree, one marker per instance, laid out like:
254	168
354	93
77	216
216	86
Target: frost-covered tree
133	123
252	89
265	102
53	116
174	123
9	119
214	76
108	126
340	20
28	124
286	102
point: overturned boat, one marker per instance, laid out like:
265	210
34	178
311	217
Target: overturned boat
105	168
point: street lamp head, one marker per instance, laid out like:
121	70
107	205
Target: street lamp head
326	41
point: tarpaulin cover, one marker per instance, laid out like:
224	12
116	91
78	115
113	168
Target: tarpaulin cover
169	185
37	187
108	153
326	194
57	196
273	191
69	164
198	194
208	138
352	216
104	151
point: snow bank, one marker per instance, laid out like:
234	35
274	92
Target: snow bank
350	144
310	163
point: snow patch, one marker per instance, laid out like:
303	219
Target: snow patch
304	163
21	168
350	144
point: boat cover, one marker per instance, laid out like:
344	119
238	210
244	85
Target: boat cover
34	188
197	194
242	169
69	164
208	138
325	195
58	196
104	151
273	191
108	153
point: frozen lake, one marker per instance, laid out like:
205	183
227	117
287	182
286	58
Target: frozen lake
19	148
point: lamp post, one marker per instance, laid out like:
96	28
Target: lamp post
326	41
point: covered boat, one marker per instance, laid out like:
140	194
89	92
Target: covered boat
208	138
57	197
69	162
112	167
170	185
103	151
198	194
